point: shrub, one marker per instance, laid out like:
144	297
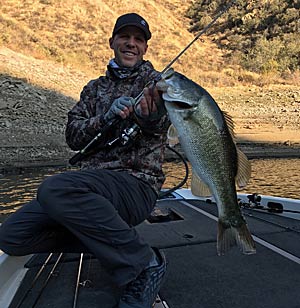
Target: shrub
263	35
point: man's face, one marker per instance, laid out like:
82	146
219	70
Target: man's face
129	46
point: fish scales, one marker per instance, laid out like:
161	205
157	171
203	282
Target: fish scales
208	144
214	158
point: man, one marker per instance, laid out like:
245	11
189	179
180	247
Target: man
95	209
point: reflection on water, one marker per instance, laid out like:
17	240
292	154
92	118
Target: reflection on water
277	177
17	189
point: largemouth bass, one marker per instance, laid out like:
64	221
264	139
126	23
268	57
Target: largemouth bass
206	137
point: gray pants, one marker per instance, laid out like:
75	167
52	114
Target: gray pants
85	211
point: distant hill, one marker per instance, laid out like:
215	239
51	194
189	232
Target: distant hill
74	35
263	36
77	34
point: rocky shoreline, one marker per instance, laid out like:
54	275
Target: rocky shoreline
27	159
32	123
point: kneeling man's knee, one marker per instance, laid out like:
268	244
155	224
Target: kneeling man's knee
8	246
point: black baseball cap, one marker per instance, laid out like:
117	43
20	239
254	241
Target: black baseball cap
132	19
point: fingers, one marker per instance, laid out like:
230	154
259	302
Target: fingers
142	108
152	93
124	110
147	106
151	96
121	107
124	107
148	103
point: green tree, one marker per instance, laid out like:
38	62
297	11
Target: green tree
264	34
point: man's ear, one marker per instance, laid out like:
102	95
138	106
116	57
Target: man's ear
146	48
111	41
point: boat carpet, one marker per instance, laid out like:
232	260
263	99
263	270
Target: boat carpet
197	277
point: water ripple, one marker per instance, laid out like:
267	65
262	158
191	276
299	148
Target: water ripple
277	177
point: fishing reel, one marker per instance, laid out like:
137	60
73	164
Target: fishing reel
253	201
128	135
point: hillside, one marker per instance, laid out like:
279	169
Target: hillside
262	36
50	49
77	35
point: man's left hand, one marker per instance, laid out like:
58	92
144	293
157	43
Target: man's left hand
150	104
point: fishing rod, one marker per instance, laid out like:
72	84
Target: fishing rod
82	153
270	222
50	275
46	262
274	210
272	207
78	281
164	71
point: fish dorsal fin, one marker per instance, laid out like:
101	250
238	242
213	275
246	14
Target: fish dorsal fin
230	123
244	166
244	169
172	135
198	187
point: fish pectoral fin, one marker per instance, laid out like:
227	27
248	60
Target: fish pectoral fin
172	135
229	236
244	170
198	187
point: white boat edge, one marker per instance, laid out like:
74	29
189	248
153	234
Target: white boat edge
12	273
12	270
287	203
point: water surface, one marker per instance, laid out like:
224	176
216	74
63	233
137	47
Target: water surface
277	177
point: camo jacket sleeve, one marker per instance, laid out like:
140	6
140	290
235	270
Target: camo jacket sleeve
85	119
143	158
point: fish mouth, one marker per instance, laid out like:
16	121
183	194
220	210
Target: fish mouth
176	103
173	95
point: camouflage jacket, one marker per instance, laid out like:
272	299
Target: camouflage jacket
144	156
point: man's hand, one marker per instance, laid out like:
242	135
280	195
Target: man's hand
150	104
121	107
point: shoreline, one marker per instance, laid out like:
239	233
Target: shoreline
253	150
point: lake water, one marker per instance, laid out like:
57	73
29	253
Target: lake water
277	177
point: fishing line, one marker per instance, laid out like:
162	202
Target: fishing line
169	191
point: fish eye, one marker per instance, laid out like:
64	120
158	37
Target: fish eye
175	91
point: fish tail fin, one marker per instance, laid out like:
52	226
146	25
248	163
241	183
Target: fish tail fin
229	236
226	238
245	240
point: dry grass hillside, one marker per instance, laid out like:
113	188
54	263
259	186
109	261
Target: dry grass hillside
50	48
76	33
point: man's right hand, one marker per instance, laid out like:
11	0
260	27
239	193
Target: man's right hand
121	107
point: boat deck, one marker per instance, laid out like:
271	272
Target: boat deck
197	277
